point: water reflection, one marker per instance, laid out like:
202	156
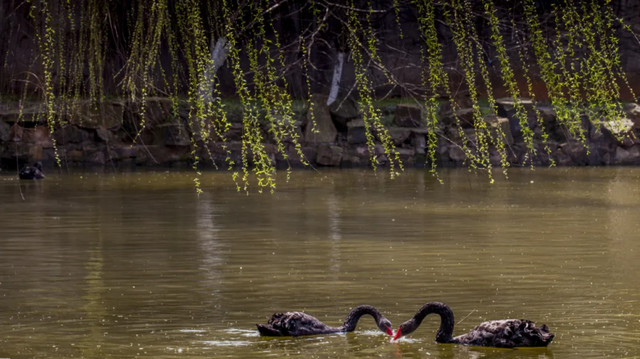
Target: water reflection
206	232
137	265
94	309
622	200
334	231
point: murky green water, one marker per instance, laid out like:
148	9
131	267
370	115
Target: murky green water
135	265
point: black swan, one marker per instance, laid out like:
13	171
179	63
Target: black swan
296	324
32	172
508	333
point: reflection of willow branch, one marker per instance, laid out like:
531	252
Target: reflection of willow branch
334	231
621	226
18	172
210	247
95	312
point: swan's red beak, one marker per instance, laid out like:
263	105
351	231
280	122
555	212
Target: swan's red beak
398	335
389	331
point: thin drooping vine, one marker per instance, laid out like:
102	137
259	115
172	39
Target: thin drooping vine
508	78
371	114
252	135
47	44
434	78
175	49
524	56
457	17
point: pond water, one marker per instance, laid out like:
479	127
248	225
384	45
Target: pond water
136	265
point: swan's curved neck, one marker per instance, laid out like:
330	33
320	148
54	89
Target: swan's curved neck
445	333
357	312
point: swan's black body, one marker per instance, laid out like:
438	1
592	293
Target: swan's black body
508	333
32	172
296	324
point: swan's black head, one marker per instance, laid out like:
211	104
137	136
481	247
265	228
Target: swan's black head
385	325
38	165
405	328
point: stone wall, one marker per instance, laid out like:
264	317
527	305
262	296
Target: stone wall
109	135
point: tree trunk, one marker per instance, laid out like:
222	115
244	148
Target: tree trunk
335	82
219	53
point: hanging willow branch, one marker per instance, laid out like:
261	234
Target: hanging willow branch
579	65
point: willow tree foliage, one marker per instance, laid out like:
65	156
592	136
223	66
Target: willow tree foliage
174	49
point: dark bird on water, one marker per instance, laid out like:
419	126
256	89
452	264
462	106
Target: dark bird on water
508	333
32	172
296	324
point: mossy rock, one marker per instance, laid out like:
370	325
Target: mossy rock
91	115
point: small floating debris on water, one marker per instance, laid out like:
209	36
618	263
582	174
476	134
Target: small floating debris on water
227	343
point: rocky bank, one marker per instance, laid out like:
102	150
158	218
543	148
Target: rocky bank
105	136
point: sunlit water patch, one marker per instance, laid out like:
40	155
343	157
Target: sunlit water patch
376	333
227	343
243	332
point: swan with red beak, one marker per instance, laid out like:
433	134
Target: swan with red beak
508	333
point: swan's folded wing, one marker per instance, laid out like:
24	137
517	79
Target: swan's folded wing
508	333
288	323
299	324
276	318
